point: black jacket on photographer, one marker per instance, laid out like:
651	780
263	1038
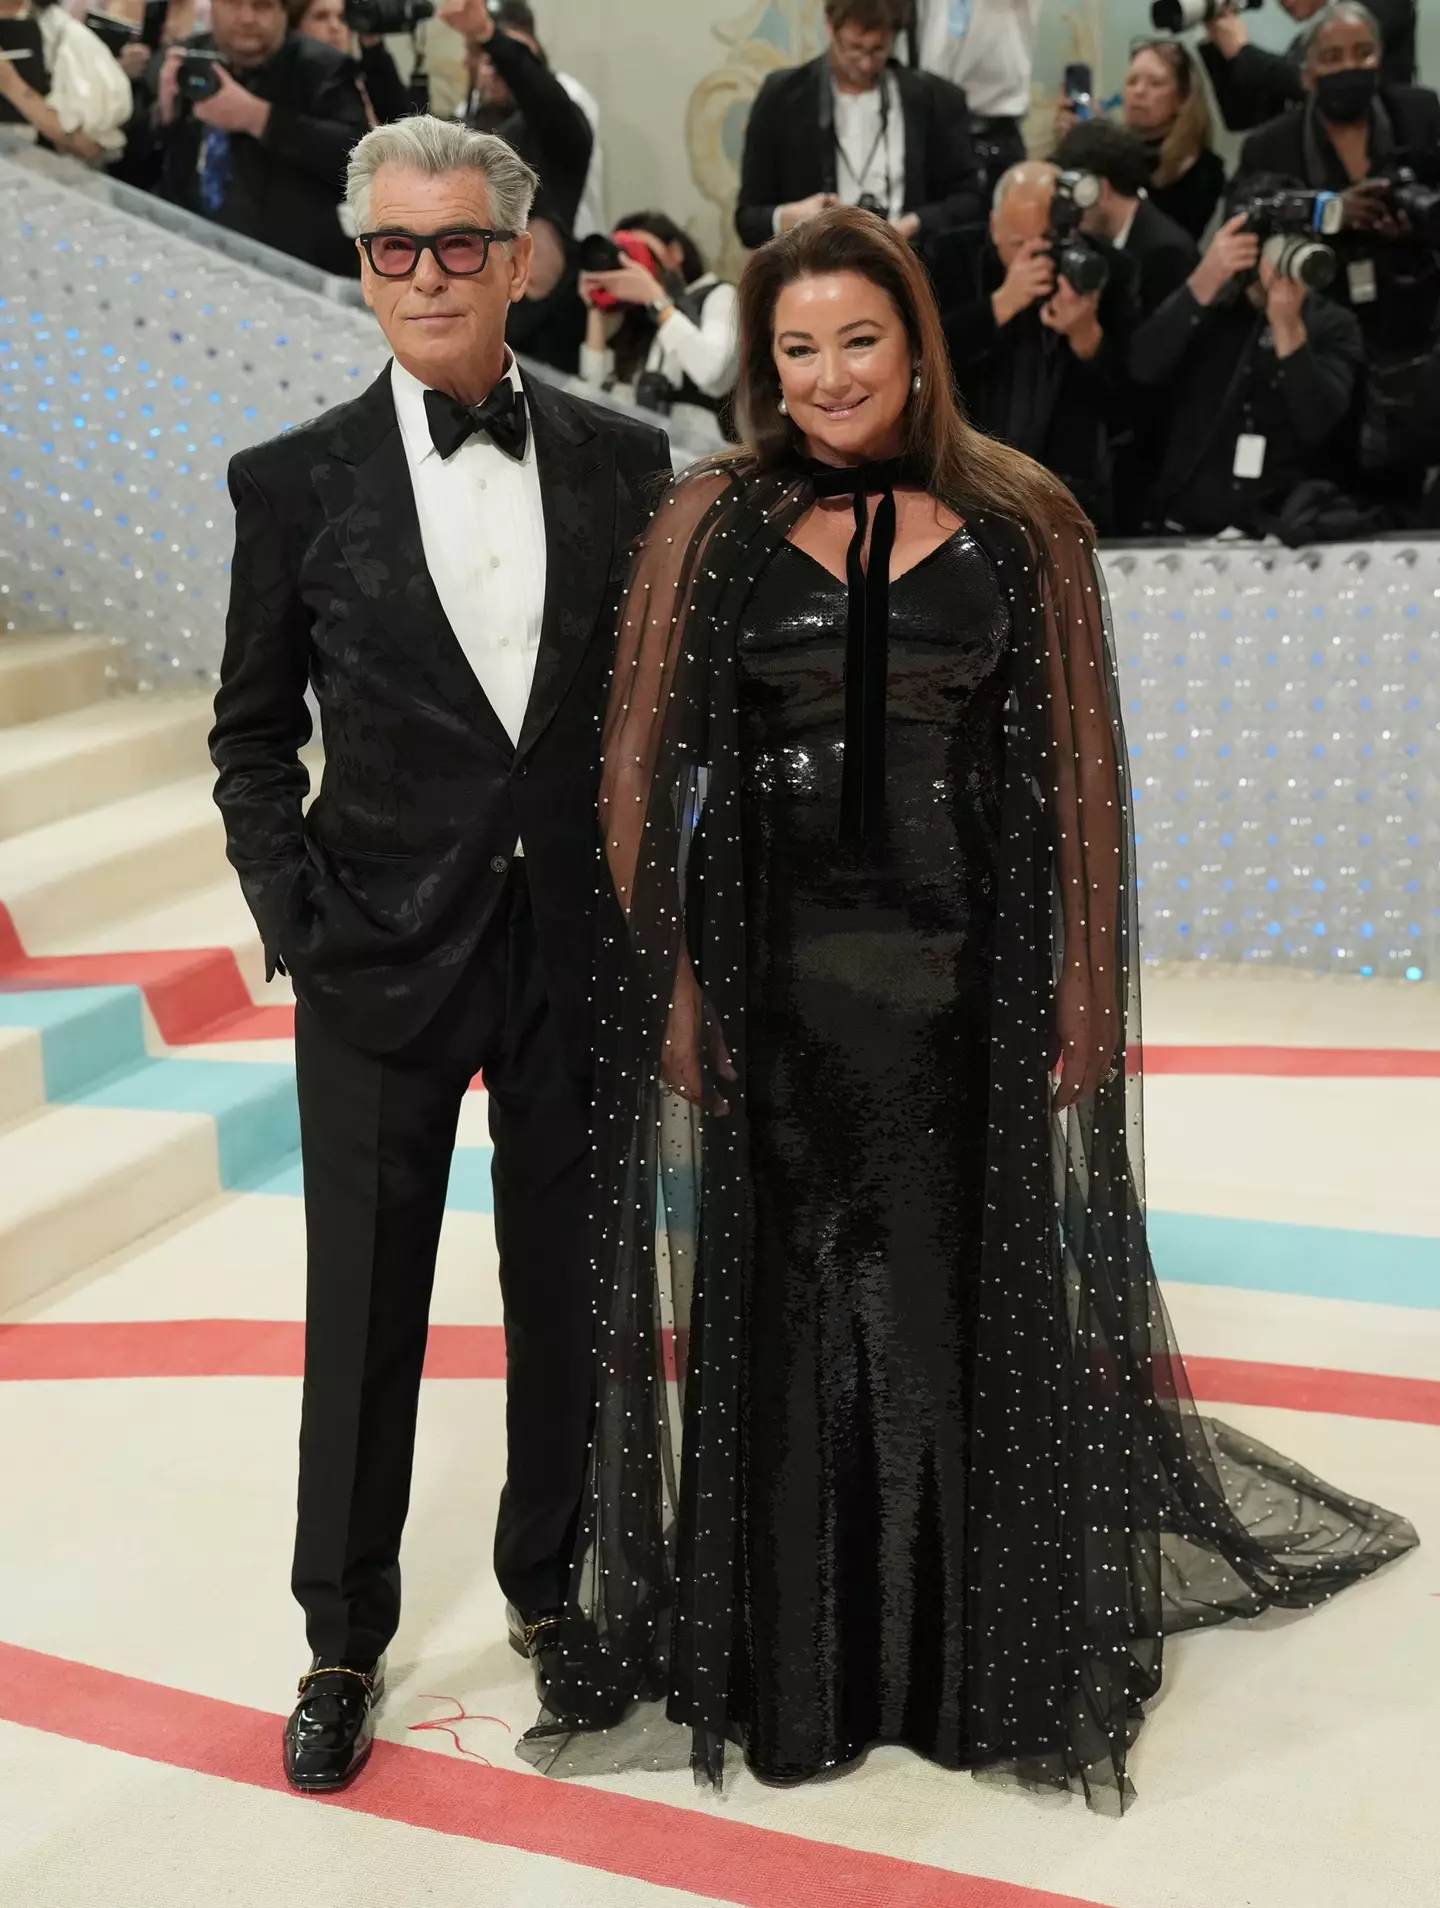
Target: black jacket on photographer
545	126
790	149
1391	284
1257	84
375	70
1218	365
1022	383
285	188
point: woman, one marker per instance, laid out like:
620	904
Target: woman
941	1481
673	336
1164	101
82	100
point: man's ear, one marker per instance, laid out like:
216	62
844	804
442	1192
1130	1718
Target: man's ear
521	258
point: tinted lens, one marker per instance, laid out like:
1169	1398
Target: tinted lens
392	254
461	252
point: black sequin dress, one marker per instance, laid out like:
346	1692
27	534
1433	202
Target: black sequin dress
869	990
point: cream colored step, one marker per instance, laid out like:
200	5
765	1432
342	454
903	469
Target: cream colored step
72	876
44	675
212	916
22	1073
79	1182
102	753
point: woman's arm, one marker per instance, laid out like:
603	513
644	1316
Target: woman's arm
708	353
41	114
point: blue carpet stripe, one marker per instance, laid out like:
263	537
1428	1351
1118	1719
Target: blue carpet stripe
1264	1255
469	1180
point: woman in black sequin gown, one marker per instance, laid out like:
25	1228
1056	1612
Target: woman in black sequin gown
893	1442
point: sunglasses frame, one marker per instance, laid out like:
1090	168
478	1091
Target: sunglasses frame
429	242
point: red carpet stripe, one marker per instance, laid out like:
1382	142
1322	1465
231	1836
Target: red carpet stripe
691	1849
274	1348
1320	1063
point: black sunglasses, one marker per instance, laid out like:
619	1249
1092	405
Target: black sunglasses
462	251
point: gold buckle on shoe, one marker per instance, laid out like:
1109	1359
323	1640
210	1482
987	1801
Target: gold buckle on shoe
533	1630
336	1669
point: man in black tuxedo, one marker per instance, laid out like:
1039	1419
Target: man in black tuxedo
439	561
852	126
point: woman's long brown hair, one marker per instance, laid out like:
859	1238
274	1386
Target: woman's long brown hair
970	471
1190	129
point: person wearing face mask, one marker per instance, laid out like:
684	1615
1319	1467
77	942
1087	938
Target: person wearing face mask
1039	364
1252	84
1260	378
1352	130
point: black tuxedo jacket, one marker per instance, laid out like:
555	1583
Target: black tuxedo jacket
375	899
790	150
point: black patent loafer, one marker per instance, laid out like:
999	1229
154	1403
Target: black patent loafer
538	1638
330	1733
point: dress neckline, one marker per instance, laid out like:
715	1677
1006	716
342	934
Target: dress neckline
841	583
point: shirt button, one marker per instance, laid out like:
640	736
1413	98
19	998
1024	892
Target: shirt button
494	563
498	864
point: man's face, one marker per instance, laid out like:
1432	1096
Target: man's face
858	55
448	331
1024	213
325	21
248	32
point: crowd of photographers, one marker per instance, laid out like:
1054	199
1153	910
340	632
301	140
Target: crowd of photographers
1190	352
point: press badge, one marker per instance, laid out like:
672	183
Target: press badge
1249	454
1360	274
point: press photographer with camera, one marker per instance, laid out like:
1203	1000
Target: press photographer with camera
661	329
1377	146
1040	345
1262	372
60	79
383	93
852	126
251	126
1164	252
1251	83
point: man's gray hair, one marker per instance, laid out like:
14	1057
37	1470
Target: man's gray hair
435	147
1348	10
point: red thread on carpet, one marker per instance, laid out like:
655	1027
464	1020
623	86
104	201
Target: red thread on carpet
446	1726
690	1849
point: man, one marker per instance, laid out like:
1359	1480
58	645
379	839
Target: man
1263	388
1038	363
1252	84
265	153
549	118
987	48
849	126
1164	253
438	561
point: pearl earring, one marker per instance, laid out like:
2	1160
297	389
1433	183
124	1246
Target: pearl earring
783	408
915	382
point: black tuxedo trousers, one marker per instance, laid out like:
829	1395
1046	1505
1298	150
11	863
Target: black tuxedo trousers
377	1132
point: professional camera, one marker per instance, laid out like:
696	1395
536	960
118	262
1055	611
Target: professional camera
387	16
607	252
1286	222
1077	258
196	77
867	202
1174	16
1404	192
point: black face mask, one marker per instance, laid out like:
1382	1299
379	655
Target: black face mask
1345	95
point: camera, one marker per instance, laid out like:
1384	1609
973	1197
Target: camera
1420	203
1077	258
387	16
607	252
867	202
1174	16
654	392
1287	222
196	77
114	35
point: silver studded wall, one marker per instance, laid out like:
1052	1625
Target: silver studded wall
1282	708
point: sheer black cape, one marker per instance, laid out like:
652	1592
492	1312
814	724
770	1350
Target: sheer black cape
1105	1511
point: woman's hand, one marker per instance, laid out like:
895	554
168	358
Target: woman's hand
681	1066
630	283
1087	1035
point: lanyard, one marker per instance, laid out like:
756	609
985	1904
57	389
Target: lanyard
882	138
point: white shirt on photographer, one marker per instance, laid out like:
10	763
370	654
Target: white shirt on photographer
986	46
707	353
869	134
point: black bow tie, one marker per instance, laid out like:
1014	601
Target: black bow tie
501	416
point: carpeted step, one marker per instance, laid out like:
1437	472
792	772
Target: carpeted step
44	675
87	757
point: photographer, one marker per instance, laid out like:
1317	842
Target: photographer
1263	374
1039	363
1252	84
63	82
251	126
514	92
383	93
661	329
852	126
1367	141
1164	253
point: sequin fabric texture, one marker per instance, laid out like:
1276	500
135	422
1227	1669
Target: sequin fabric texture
869	1006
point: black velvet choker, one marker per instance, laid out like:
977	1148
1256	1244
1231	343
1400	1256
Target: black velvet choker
862	783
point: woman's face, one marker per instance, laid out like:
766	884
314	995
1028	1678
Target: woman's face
845	366
1152	97
325	20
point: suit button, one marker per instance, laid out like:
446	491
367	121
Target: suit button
499	864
